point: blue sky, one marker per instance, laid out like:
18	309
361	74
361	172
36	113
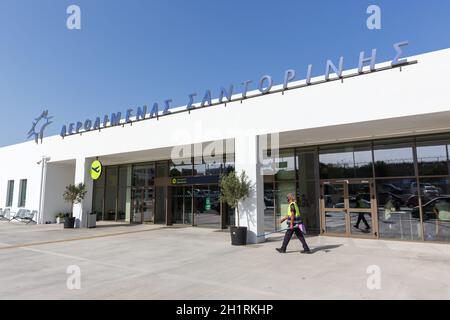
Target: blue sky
131	53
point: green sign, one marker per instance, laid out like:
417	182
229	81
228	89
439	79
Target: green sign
177	181
208	204
282	165
96	170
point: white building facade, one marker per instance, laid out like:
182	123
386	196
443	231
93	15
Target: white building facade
366	153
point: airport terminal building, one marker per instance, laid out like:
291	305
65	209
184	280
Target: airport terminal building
366	151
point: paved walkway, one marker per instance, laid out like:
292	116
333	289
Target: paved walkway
154	262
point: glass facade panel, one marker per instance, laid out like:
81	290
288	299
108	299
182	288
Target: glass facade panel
122	193
286	166
435	195
269	209
346	162
182	205
432	160
143	175
394	160
307	190
214	166
187	199
360	223
333	196
112	176
160	205
183	167
99	196
162	169
282	189
397	218
335	222
206	206
178	205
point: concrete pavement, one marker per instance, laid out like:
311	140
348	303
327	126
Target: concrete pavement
154	262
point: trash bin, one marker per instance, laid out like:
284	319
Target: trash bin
92	220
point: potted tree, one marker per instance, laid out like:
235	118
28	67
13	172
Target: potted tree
74	194
60	217
234	189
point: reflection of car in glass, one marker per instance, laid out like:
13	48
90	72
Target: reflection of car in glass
366	204
425	189
391	188
440	205
413	201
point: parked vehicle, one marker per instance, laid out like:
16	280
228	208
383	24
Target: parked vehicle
425	189
432	208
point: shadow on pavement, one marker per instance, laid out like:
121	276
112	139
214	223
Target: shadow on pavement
105	226
317	249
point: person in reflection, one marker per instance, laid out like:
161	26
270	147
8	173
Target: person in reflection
294	222
360	205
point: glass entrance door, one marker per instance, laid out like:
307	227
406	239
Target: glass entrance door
361	210
206	206
348	208
182	205
142	205
333	205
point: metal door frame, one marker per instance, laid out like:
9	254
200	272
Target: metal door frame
347	209
141	198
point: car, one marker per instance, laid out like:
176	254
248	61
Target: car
413	200
425	189
366	204
429	208
391	188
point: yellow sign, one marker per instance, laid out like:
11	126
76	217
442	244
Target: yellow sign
96	170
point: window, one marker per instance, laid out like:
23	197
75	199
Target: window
162	169
22	193
394	160
434	193
10	193
286	165
432	160
111	180
99	195
143	175
346	162
209	167
398	211
182	167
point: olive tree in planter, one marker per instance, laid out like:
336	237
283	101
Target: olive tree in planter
234	189
74	194
60	217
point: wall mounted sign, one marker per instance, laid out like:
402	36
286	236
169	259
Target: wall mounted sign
195	180
96	170
39	125
264	86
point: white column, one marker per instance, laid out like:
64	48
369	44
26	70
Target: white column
128	217
81	210
252	209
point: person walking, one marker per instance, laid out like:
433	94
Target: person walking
360	205
294	221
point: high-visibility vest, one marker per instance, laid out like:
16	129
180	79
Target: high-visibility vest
360	204
297	218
